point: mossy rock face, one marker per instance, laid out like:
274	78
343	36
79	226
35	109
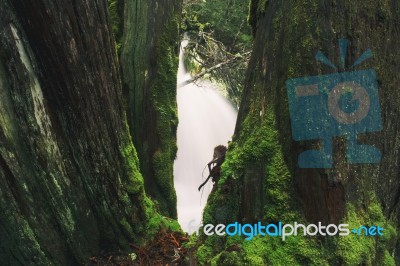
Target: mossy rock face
263	154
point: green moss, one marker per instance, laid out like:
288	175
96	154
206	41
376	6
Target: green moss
164	102
300	250
203	254
132	187
149	63
20	239
135	187
115	12
367	250
135	184
258	142
127	227
225	258
388	260
156	221
296	250
264	139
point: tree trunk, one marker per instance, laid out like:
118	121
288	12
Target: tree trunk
149	63
69	172
287	36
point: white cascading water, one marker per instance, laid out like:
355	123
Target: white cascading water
206	119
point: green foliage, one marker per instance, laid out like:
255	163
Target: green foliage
219	34
224	18
192	65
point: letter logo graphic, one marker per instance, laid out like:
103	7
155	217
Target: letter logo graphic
338	104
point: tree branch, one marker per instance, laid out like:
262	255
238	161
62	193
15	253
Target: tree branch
217	66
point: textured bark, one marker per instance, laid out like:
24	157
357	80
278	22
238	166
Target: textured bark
284	51
287	36
149	61
70	185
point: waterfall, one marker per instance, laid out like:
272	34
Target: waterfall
206	119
